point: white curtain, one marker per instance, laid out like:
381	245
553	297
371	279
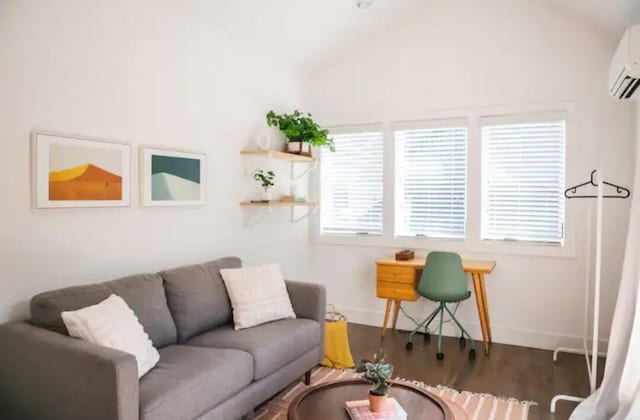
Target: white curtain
618	397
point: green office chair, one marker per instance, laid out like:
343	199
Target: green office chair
444	281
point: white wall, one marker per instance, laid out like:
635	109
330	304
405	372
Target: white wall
183	74
168	73
466	58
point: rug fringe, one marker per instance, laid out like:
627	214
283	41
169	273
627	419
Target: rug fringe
468	393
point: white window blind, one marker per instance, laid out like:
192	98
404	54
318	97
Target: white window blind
523	181
431	182
351	184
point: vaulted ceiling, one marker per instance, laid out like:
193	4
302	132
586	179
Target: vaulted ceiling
305	32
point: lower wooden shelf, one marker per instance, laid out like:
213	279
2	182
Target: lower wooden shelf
262	209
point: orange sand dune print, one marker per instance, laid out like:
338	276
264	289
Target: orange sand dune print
85	182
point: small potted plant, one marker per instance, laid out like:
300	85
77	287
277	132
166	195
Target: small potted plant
265	179
378	374
301	131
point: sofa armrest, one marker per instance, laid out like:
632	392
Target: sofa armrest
44	374
308	300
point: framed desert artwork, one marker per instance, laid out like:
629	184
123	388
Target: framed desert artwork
72	171
172	178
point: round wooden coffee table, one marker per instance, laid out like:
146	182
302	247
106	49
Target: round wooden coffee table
326	401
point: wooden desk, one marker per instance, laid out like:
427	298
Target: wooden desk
398	281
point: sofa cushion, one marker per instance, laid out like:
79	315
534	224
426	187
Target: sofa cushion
272	345
197	297
189	381
143	293
47	307
258	295
112	323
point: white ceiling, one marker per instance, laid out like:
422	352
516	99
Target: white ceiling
306	32
321	28
303	31
611	16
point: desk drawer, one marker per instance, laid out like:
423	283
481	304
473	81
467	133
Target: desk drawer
396	274
390	290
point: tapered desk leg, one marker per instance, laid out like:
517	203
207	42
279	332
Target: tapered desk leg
486	307
477	287
396	309
386	316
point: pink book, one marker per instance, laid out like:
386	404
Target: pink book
359	410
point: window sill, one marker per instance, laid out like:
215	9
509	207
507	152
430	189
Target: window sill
453	245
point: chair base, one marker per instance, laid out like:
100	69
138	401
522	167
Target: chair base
442	307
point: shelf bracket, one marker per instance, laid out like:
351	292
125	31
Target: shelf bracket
255	216
308	213
295	176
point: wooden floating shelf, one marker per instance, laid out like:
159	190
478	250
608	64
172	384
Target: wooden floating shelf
275	154
281	204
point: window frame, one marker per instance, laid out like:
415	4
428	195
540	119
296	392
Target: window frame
517	120
430	125
353	129
472	245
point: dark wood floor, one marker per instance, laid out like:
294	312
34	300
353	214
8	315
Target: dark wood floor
512	371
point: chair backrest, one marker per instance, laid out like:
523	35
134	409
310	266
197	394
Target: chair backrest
443	278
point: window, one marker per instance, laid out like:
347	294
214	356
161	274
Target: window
523	178
431	184
351	184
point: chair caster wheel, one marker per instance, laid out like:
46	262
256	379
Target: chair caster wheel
409	346
427	337
463	343
440	356
472	354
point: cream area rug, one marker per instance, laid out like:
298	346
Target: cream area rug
464	405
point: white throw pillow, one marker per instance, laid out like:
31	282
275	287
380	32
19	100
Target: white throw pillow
257	294
112	323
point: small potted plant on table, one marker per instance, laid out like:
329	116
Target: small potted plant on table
378	374
301	131
265	179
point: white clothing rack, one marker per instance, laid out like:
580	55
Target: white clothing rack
591	357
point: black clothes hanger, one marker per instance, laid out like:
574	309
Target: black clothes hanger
572	192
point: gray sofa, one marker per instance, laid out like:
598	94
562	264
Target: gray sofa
207	370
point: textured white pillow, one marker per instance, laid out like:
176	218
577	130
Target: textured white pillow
111	323
257	294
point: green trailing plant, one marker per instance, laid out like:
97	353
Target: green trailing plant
300	126
265	178
377	373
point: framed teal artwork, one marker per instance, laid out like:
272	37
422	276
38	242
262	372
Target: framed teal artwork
173	178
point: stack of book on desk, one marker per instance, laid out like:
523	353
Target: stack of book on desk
359	410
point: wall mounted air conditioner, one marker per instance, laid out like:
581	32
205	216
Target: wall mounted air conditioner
624	71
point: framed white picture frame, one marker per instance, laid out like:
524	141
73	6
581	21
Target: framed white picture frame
172	177
72	171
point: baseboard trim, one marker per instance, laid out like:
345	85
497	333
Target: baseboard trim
502	335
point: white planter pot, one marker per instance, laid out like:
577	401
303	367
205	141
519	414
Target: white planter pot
299	147
266	195
293	146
